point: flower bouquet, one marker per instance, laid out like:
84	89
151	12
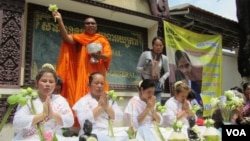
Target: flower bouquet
229	104
94	48
177	134
15	99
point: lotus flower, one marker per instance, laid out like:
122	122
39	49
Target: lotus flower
195	108
53	7
229	103
209	122
177	126
161	109
177	135
48	136
21	98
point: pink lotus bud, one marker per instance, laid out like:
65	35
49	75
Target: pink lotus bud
48	136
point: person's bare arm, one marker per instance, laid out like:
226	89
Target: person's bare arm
38	118
103	104
185	111
150	108
143	115
65	36
156	116
97	111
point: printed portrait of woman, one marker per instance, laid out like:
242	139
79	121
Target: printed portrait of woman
184	70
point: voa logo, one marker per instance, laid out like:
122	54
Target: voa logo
236	132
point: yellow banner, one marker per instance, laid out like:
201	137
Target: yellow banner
196	59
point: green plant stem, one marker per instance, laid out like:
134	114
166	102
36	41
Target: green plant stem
110	128
226	114
6	116
158	131
54	137
40	132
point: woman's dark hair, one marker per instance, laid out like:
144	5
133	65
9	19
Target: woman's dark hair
159	38
245	85
91	76
180	54
237	88
191	95
46	68
59	81
146	83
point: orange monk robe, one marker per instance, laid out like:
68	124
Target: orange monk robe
74	65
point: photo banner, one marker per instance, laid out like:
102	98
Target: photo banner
196	59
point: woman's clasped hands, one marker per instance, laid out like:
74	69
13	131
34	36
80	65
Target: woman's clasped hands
103	101
151	103
47	109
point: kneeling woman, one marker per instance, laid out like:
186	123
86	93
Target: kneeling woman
141	111
99	109
49	112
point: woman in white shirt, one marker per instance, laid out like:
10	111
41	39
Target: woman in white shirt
51	111
98	108
141	111
178	106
